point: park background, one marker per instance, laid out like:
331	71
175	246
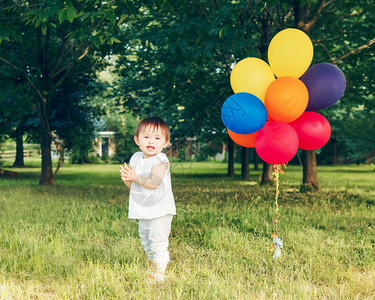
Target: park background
80	74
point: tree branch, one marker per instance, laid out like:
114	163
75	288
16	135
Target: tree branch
318	10
354	51
24	73
68	69
325	48
57	63
277	24
301	15
84	53
10	64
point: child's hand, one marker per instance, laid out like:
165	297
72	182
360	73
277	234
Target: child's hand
127	172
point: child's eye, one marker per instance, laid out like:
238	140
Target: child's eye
158	138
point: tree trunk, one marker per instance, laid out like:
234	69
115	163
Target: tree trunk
59	145
256	164
334	152
19	161
230	157
266	174
187	150
46	177
310	177
305	21
245	170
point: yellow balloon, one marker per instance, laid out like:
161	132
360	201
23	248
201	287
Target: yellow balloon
251	75
290	53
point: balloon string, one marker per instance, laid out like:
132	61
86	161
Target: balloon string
277	188
277	243
276	198
277	171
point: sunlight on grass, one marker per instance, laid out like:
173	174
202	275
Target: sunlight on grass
74	240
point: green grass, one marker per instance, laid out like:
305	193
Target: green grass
74	240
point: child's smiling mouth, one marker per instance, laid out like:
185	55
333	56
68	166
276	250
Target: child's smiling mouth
150	148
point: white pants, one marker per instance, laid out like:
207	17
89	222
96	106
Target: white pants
154	236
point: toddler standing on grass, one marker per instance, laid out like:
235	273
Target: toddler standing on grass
151	199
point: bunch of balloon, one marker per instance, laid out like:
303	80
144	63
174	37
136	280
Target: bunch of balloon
273	105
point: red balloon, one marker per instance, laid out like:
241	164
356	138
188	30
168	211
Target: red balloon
313	130
244	140
276	143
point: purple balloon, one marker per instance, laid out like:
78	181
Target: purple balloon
326	84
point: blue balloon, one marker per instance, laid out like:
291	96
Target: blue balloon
243	113
326	84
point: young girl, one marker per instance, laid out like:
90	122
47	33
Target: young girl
151	199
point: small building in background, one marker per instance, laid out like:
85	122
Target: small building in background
105	143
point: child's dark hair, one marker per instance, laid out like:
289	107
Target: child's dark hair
156	123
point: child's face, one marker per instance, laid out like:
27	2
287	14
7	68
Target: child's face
151	141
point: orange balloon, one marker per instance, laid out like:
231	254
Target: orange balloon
244	140
286	99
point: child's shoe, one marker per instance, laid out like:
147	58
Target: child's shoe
157	278
157	274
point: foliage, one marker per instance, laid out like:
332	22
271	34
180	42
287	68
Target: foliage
175	62
76	114
177	71
343	28
49	42
79	243
182	54
16	101
124	125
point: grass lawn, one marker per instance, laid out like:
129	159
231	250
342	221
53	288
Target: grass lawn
74	240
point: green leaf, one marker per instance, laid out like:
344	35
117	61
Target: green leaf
122	19
96	42
37	23
32	12
61	15
70	13
44	28
55	7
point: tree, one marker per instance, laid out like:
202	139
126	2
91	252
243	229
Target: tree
183	56
47	42
305	17
348	44
343	22
16	112
230	156
186	50
124	124
329	24
245	170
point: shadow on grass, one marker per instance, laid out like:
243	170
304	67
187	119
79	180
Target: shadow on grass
22	176
205	176
333	169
